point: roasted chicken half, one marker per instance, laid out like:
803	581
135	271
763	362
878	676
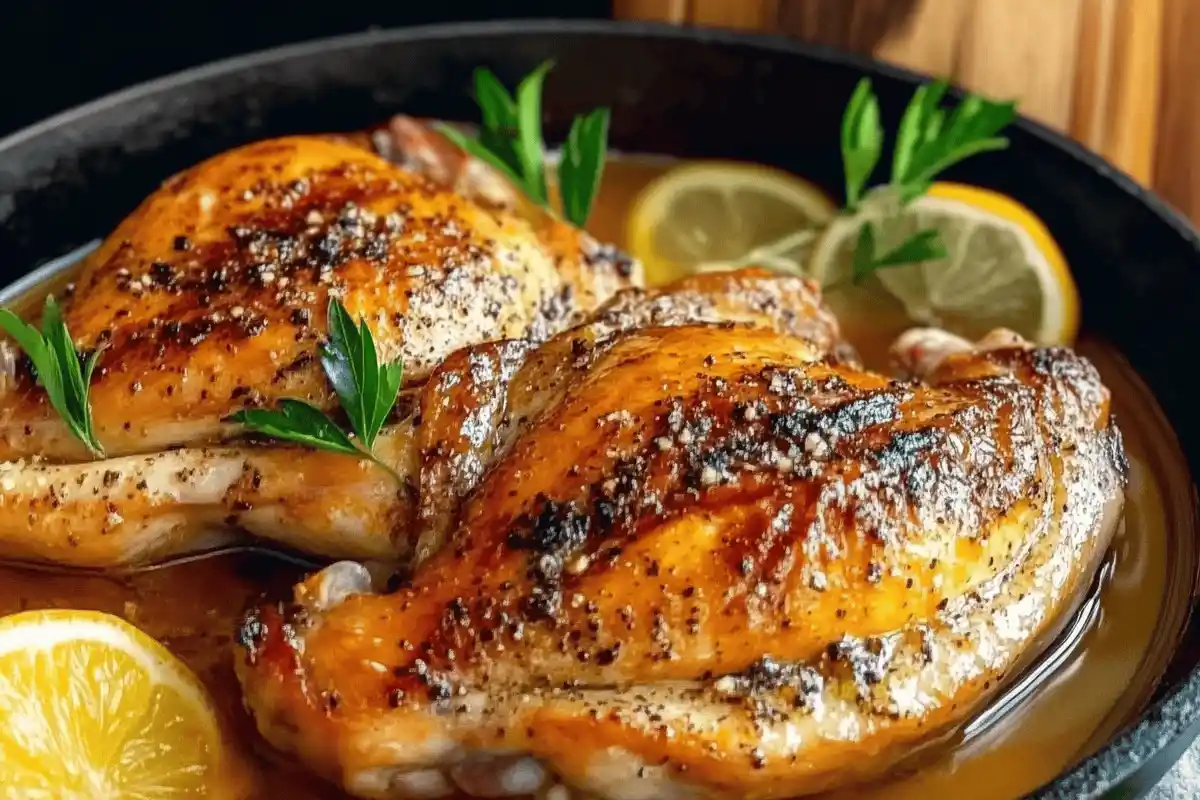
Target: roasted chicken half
211	297
701	561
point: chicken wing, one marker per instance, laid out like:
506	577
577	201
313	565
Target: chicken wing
702	561
211	297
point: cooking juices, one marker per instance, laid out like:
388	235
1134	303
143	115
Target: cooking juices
1086	686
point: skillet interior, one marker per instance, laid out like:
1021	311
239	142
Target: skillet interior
698	94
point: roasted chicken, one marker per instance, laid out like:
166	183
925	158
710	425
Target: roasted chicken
211	298
698	561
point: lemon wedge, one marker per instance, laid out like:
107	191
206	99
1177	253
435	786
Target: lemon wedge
94	709
1002	270
717	215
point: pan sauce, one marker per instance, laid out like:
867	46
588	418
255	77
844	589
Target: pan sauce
1088	685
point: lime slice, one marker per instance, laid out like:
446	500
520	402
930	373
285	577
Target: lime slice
719	215
1002	269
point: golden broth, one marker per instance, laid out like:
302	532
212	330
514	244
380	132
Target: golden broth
1088	686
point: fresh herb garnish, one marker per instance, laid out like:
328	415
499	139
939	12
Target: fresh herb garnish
60	370
497	136
929	141
924	245
366	388
298	422
511	141
862	141
582	164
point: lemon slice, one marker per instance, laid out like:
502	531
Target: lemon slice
1002	269
716	215
94	709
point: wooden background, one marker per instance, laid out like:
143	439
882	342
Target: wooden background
1121	76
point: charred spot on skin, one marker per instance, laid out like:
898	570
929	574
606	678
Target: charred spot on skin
608	655
249	397
926	638
596	254
298	364
437	686
868	659
278	257
439	689
845	419
251	634
771	691
163	274
557	529
458	612
580	349
906	450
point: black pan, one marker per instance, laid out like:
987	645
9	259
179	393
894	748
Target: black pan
68	180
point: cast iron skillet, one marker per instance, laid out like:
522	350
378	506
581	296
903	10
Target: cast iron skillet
69	179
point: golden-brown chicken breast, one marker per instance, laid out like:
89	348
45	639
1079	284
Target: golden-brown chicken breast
140	508
707	561
211	297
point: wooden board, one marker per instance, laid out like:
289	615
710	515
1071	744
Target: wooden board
1115	74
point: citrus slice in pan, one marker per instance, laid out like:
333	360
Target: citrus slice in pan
94	709
717	215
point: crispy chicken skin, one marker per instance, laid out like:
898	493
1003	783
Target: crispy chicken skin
211	297
466	401
702	561
140	508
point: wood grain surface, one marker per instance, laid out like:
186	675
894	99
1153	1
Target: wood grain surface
1118	75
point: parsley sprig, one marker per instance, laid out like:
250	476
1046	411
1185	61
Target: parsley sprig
929	141
366	388
60	369
511	141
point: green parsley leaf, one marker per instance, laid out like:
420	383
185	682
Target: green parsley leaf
862	140
366	388
511	141
531	149
498	107
59	369
499	118
582	165
924	245
300	423
929	142
481	151
922	119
